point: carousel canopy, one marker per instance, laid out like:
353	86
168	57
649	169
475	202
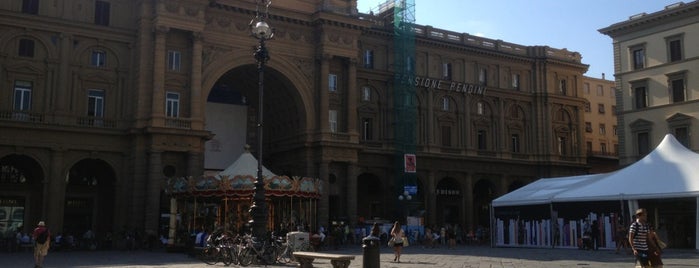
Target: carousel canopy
238	180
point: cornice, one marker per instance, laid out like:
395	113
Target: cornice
686	11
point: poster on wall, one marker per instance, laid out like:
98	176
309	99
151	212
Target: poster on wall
410	164
11	215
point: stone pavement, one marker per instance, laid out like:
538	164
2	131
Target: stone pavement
414	256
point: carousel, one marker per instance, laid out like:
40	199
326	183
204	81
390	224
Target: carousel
223	200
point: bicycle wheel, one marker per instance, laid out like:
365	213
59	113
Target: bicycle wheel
233	254
246	256
270	255
209	255
285	256
226	256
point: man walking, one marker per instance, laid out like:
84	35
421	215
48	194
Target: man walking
638	238
42	239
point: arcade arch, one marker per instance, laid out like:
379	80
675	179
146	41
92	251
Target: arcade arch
89	199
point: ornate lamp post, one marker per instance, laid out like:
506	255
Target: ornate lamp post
262	32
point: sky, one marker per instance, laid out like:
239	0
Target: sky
570	24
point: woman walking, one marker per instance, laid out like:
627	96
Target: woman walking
397	235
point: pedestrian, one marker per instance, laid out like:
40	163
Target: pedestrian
638	238
621	240
654	250
594	235
42	241
397	235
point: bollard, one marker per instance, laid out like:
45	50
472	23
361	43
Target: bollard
371	246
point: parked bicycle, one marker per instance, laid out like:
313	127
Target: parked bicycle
221	248
263	252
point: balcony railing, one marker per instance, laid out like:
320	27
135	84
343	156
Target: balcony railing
21	116
178	123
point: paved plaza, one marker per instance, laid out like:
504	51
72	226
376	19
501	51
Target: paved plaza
415	256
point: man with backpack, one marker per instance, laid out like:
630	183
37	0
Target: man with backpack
42	240
638	238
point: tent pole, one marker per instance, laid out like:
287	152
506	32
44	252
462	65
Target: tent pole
696	226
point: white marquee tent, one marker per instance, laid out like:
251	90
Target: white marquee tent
669	171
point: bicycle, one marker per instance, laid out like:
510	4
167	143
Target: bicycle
220	249
287	253
266	252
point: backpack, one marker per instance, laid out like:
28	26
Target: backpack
42	237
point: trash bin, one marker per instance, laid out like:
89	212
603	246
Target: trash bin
371	246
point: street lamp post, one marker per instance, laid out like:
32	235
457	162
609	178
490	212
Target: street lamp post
262	32
407	197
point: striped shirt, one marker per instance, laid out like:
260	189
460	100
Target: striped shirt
639	232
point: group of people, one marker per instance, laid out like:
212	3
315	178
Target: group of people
644	242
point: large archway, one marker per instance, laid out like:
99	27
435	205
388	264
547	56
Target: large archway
449	201
232	116
21	195
89	201
371	190
483	194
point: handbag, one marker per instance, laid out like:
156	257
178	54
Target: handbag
405	241
391	242
661	244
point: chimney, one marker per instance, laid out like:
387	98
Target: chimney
602	76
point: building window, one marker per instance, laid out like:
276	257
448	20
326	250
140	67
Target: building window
98	58
172	105
515	143
682	135
446	71
174	60
368	59
600	90
332	118
26	48
588	127
367	129
674	48
614	128
600	108
409	65
483	77
445	103
603	147
614	109
677	90
587	107
332	82
586	88
515	82
30	6
640	97
366	94
102	13
638	57
642	143
562	143
602	129
23	96
479	108
563	87
482	141
95	103
588	146
446	136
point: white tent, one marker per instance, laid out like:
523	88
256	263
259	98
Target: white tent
669	171
245	165
544	190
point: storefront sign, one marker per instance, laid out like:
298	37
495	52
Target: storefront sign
431	83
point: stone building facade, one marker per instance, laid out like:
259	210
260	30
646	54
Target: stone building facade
601	141
101	101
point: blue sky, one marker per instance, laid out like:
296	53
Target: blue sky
570	24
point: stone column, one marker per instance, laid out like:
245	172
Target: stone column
352	93
195	104
159	59
56	183
431	194
468	194
153	187
352	195
324	202
61	90
323	94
